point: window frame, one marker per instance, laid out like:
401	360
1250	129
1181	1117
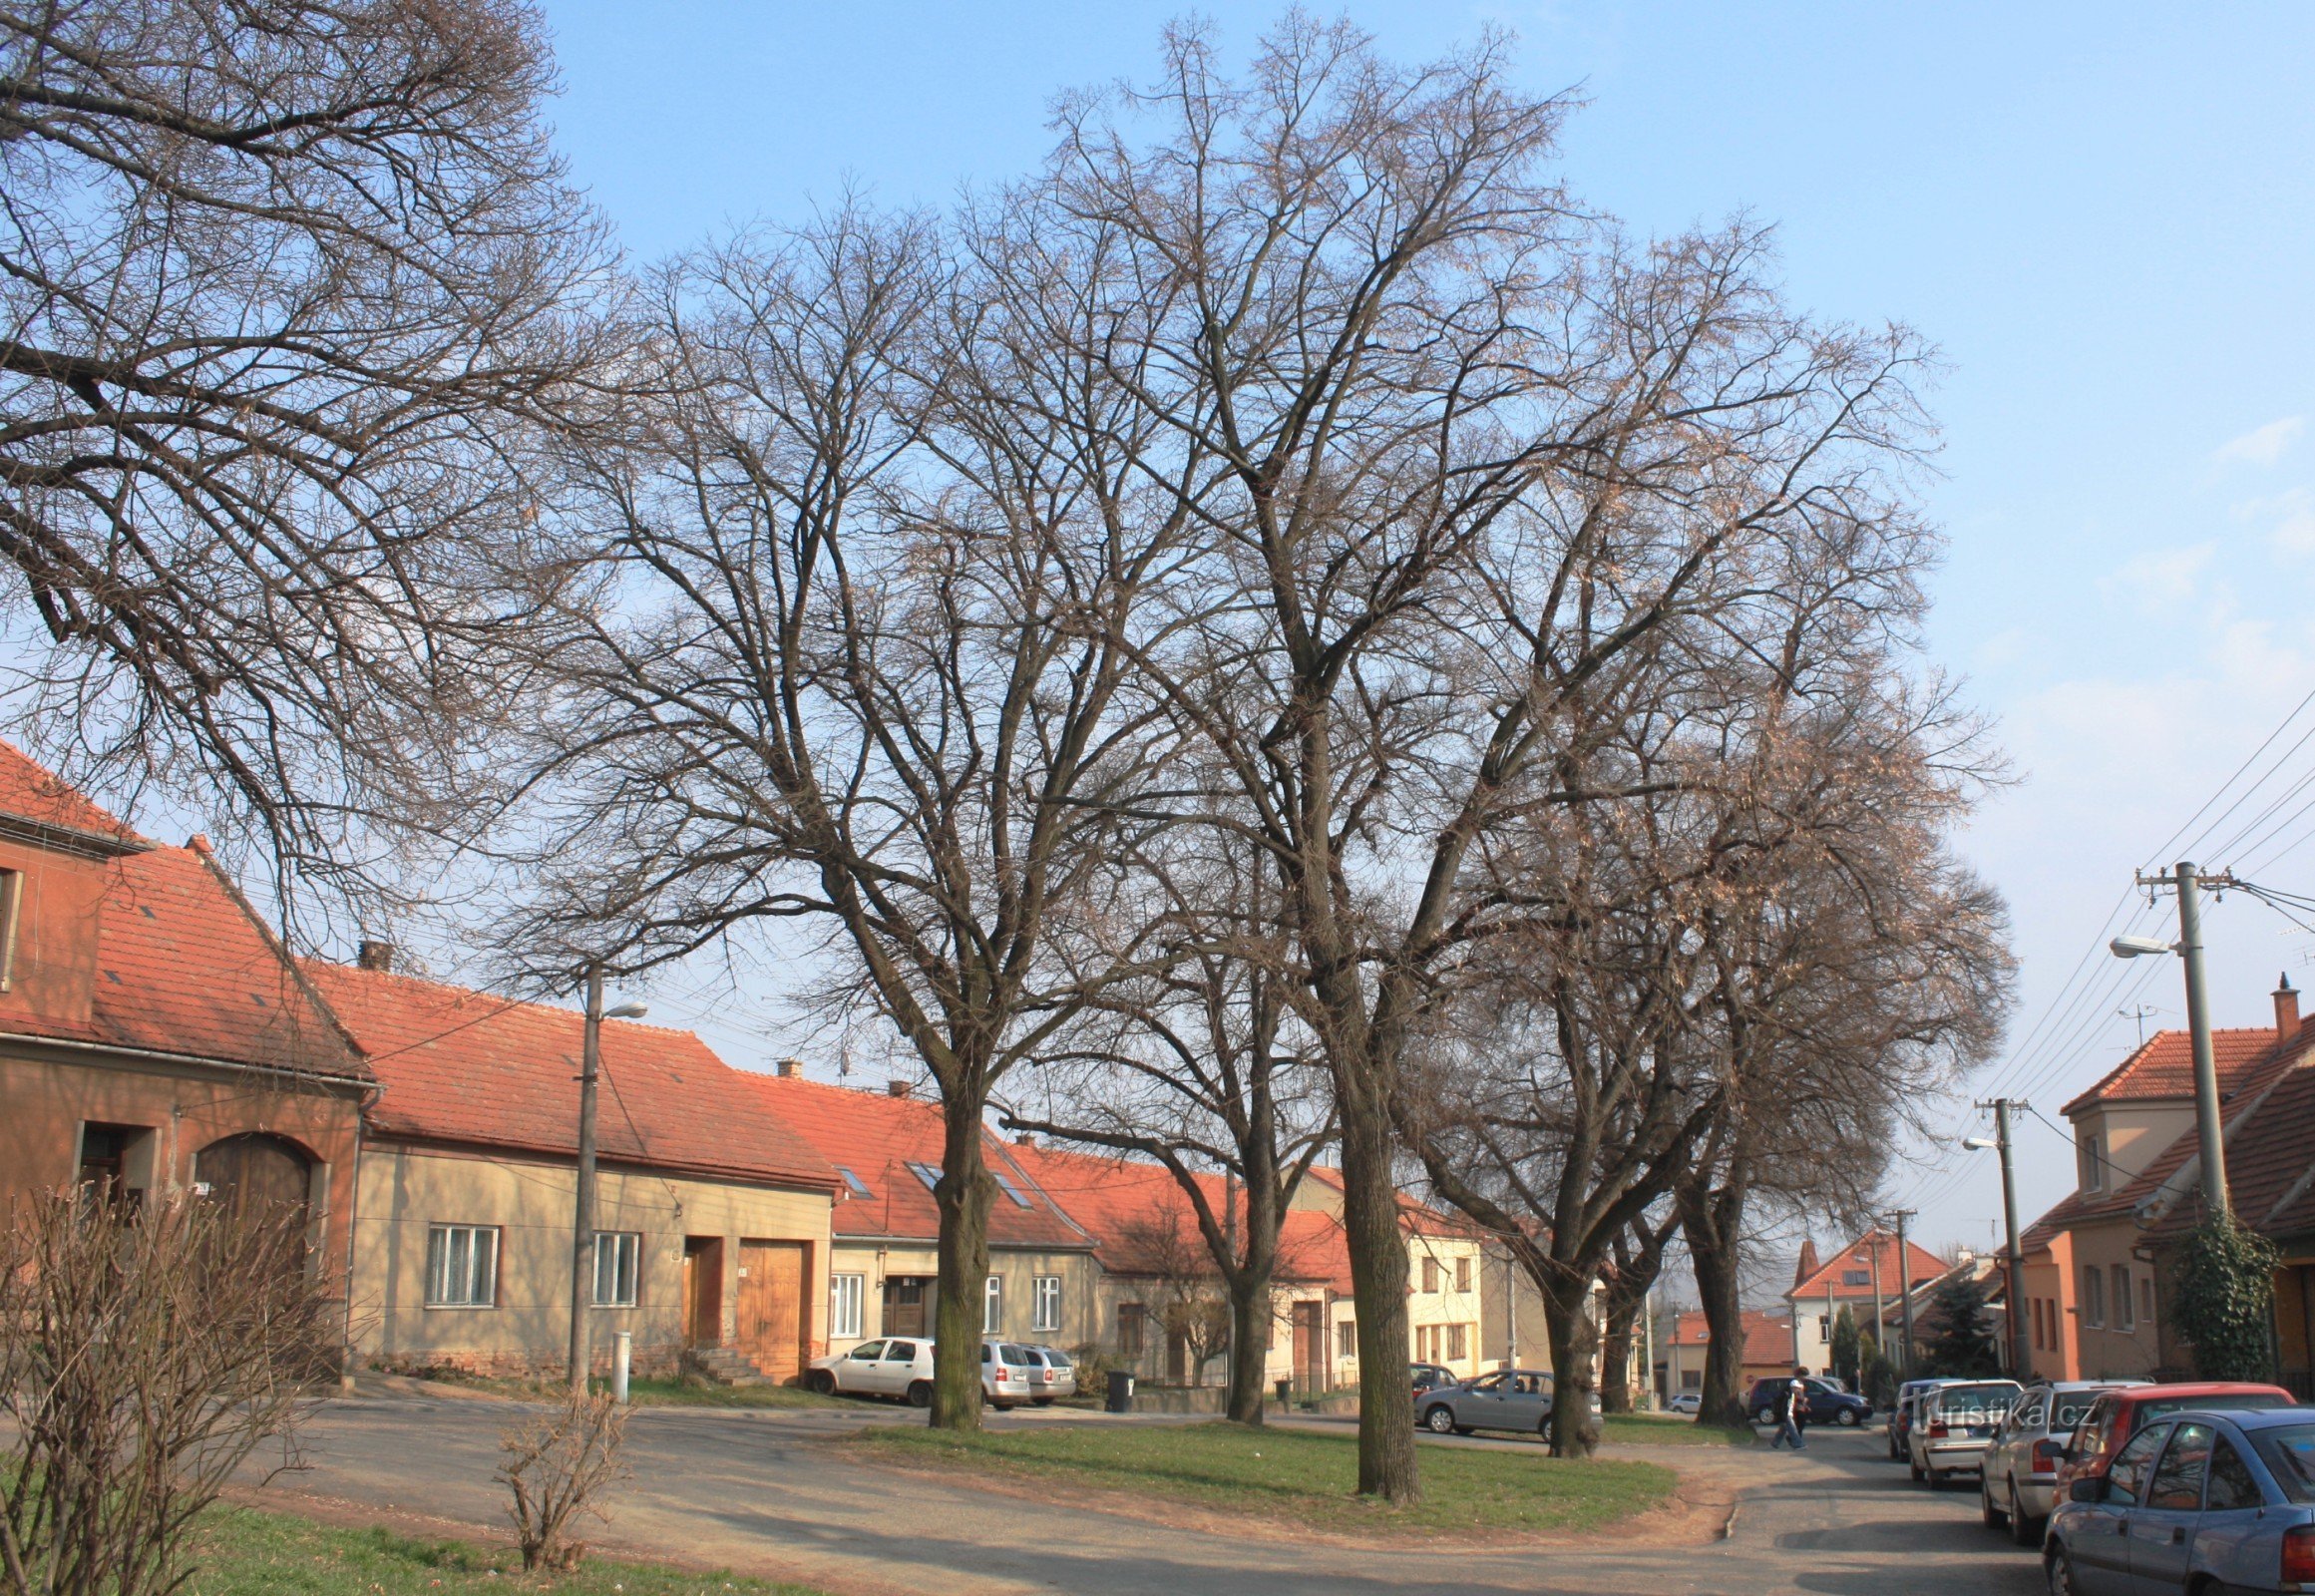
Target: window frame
838	1284
2091	1156
992	1305
1463	1272
437	1265
1430	1275
1045	1304
11	903
2123	1309
626	1247
2094	1296
1132	1328
1346	1339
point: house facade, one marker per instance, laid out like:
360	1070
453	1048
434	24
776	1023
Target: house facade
1445	1283
1687	1342
155	1037
712	1220
1870	1275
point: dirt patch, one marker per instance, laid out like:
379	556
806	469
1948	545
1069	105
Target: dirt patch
1699	1511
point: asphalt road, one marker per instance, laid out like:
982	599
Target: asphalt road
763	1493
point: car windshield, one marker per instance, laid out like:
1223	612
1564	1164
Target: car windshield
2289	1451
2153	1407
870	1349
2067	1408
1975	1404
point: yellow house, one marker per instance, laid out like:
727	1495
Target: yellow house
712	1220
1446	1284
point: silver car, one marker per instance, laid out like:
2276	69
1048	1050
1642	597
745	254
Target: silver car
2197	1501
1060	1378
1509	1399
1909	1398
1954	1425
2018	1483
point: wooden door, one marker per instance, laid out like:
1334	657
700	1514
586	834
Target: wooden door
1311	1345
256	1176
904	1306
703	1291
771	1306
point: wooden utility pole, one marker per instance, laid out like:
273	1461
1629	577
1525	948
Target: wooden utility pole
1904	1299
582	1220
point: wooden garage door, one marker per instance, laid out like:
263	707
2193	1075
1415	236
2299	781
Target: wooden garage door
771	1306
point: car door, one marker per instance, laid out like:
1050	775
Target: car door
2163	1529
2100	1539
896	1368
1480	1404
1525	1400
2231	1531
856	1371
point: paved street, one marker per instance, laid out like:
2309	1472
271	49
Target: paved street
763	1492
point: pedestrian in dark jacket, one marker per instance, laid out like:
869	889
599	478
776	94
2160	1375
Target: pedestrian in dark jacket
1788	1414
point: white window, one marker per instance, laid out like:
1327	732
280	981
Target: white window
2124	1319
1046	1303
993	1306
930	1174
462	1266
617	1254
2092	1295
846	1293
2093	1165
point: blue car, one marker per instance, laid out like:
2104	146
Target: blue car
2197	1501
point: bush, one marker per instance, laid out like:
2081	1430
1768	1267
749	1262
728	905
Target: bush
557	1466
2221	1296
149	1352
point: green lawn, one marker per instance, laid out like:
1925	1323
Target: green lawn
240	1552
1310	1478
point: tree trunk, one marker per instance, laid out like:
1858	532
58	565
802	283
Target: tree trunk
1575	1351
1249	1318
1386	1463
1709	1220
1616	1365
962	1195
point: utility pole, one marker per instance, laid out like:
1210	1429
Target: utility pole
1904	1298
2209	1132
1880	1313
582	1221
2021	1361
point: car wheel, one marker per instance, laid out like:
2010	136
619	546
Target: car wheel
1994	1517
921	1394
1848	1417
2058	1568
824	1381
1766	1416
1440	1419
2025	1531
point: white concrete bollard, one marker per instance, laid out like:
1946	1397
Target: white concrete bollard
623	1351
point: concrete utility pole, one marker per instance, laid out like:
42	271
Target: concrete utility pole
2021	1359
1904	1298
582	1221
2209	1131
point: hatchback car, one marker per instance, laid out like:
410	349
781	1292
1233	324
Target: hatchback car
1688	1402
1823	1403
1431	1377
1954	1425
1060	1376
1509	1399
2120	1414
2196	1500
1900	1423
2018	1482
1010	1373
900	1368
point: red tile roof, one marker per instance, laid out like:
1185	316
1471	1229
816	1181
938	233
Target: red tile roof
1140	1219
2163	1066
1768	1339
31	793
1859	1256
1415	1217
466	1068
877	1136
185	967
2270	1155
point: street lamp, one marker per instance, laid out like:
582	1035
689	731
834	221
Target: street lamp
2014	1254
2189	948
582	1221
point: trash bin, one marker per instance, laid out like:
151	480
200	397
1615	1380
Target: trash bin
1120	1392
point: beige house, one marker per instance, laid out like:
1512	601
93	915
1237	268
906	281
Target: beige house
1447	1279
886	1149
712	1219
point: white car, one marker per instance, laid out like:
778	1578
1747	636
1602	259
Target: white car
1690	1403
900	1367
1954	1425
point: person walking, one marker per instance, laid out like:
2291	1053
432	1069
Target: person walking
1788	1414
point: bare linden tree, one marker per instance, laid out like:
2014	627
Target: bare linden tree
292	292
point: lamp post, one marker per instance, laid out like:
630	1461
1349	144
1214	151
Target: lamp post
2208	1131
582	1221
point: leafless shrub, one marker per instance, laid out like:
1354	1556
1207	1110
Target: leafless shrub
558	1466
146	1353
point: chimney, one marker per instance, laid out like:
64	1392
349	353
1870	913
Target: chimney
2286	1009
1025	1139
790	1068
375	954
897	1088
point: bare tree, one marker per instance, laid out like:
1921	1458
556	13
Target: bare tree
556	1467
1193	1308
290	291
855	657
1635	1263
149	1352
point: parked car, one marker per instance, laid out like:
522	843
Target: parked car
900	1368
1431	1376
1688	1402
1900	1425
2196	1500
1954	1425
1010	1373
2018	1482
1824	1403
1060	1376
1509	1399
2120	1414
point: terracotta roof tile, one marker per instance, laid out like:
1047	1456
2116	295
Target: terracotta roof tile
467	1067
1768	1339
1859	1255
32	793
877	1137
1138	1216
2163	1066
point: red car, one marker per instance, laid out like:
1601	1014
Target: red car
2120	1413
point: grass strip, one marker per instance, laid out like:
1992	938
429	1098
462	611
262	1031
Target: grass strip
1297	1475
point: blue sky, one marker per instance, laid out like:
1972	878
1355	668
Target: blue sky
2103	215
